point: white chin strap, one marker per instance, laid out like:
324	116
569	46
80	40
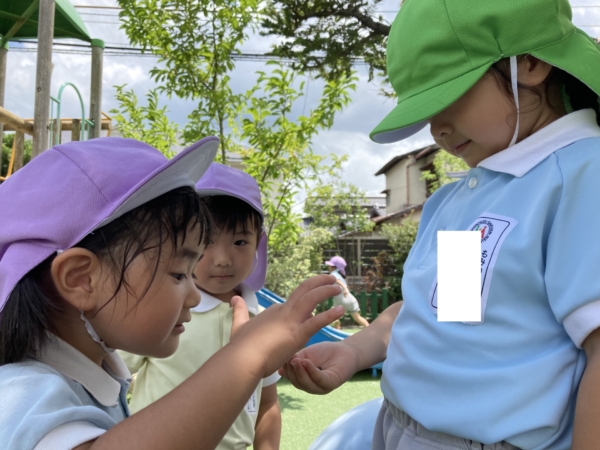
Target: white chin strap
515	89
94	335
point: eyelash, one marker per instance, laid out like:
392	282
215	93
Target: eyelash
182	276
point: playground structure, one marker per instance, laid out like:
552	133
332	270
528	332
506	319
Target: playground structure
267	298
55	19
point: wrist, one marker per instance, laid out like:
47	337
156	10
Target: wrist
357	361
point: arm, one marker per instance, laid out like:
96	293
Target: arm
586	431
344	288
198	413
321	368
268	423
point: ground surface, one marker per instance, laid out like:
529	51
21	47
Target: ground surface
305	416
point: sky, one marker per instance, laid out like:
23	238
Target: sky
349	134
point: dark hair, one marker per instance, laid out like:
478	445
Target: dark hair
34	304
580	95
229	213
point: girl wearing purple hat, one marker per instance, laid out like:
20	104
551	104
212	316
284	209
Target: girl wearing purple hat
337	268
98	245
234	263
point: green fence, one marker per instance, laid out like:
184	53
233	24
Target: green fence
371	303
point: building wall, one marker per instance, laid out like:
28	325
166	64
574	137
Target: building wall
395	183
405	191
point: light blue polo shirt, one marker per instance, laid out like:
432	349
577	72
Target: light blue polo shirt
515	376
62	401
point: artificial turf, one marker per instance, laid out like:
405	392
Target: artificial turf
305	416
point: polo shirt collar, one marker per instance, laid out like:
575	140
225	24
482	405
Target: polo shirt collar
103	386
524	156
208	302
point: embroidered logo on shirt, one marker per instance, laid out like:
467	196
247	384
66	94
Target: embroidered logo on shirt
494	230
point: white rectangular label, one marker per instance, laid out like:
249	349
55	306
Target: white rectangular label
459	276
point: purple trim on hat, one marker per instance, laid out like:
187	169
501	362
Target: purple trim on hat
71	189
224	180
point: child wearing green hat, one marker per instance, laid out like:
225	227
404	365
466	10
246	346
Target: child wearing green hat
511	87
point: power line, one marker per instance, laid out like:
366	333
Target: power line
110	50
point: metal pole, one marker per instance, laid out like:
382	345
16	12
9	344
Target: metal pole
96	88
3	58
43	77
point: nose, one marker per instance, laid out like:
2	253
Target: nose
194	297
440	127
222	258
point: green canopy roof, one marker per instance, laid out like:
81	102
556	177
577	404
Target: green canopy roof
19	19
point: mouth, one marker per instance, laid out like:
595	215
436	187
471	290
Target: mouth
460	148
222	277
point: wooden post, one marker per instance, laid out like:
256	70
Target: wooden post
19	149
3	58
56	131
76	130
96	88
42	77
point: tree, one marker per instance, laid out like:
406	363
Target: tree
443	163
145	123
195	41
296	261
280	155
338	206
328	36
7	144
388	267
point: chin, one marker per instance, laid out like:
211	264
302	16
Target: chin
167	349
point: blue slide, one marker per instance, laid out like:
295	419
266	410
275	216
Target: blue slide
267	298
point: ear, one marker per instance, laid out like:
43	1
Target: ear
76	276
533	71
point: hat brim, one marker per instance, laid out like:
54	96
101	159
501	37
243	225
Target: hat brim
410	115
215	192
185	169
577	54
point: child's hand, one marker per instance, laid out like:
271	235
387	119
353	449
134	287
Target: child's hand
281	330
321	368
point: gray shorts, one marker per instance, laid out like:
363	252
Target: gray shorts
396	430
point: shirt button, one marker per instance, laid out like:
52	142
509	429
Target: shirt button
473	183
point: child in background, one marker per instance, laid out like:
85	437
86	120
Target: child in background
512	88
98	244
234	263
337	268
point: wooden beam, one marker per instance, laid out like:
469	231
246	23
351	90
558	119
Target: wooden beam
43	77
3	59
13	122
96	88
76	130
19	150
66	124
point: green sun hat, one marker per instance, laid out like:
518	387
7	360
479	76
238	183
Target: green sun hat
438	49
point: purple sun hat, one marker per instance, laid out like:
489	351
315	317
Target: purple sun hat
73	189
224	180
339	263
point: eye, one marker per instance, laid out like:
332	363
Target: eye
241	242
179	276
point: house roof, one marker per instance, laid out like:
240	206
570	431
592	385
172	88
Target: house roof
418	153
403	212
